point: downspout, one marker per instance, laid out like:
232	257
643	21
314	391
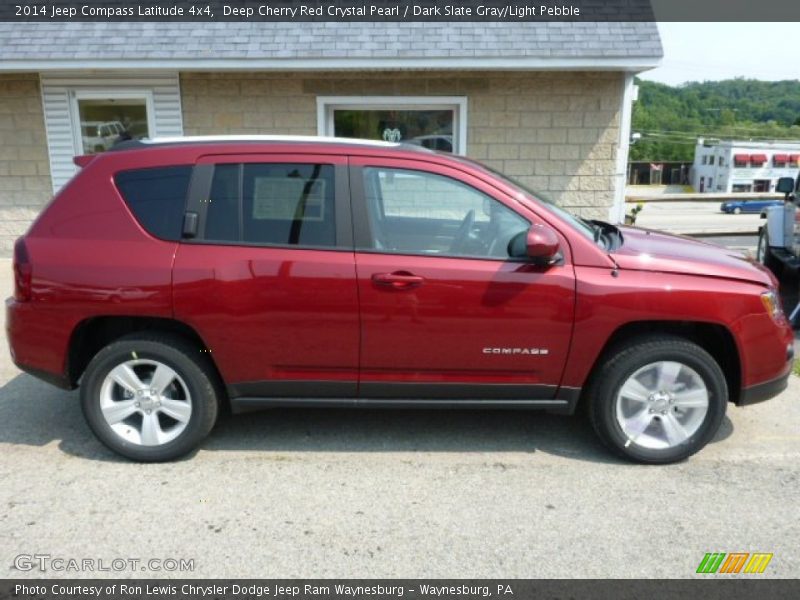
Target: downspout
617	212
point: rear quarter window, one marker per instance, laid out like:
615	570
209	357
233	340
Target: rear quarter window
157	198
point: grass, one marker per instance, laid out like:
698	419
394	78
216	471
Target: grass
797	368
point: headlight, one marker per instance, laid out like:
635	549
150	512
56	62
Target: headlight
772	304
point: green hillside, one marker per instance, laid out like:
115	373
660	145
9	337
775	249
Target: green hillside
671	118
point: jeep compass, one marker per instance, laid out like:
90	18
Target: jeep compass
172	278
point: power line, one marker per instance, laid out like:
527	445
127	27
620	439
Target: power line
741	127
690	135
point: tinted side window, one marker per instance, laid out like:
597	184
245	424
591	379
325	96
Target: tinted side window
273	204
415	212
157	198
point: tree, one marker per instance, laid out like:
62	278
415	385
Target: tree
670	119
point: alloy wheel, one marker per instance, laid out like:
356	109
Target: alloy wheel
145	402
662	405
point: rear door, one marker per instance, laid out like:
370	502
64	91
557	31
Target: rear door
269	281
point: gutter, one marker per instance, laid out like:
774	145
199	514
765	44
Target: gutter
630	64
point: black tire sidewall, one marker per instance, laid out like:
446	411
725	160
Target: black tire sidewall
763	243
204	402
770	262
637	357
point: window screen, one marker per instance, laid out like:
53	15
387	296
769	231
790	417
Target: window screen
157	198
272	204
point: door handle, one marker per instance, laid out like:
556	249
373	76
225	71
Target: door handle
399	280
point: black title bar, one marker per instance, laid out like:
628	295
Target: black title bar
327	10
710	588
399	11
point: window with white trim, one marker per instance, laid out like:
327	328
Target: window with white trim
103	118
86	114
435	122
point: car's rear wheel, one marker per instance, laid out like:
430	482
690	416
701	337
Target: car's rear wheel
149	397
658	400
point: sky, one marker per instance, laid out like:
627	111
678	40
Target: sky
714	51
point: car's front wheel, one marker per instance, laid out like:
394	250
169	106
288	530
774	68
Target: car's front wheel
149	397
658	400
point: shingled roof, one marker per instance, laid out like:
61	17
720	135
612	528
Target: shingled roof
42	46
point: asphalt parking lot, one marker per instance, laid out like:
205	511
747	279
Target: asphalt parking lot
324	493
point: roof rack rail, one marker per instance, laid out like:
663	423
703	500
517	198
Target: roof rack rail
210	139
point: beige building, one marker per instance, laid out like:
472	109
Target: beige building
548	104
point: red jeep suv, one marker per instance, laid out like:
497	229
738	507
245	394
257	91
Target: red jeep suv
173	277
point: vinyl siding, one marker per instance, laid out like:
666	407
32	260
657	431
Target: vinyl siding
57	95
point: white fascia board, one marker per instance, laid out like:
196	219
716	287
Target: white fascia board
629	64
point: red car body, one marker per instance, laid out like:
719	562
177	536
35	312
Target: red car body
288	323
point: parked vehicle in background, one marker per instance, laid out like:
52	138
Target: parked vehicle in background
779	237
100	136
748	206
441	142
172	277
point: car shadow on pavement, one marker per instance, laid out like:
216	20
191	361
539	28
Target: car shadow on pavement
36	414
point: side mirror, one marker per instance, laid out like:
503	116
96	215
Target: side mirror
539	244
785	185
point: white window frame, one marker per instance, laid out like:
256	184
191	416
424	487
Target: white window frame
111	94
458	104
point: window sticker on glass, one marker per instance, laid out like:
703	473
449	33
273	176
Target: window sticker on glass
288	199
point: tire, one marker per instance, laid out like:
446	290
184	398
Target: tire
642	430
765	256
125	414
737	211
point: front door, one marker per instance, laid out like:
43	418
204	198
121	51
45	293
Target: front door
269	283
445	313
